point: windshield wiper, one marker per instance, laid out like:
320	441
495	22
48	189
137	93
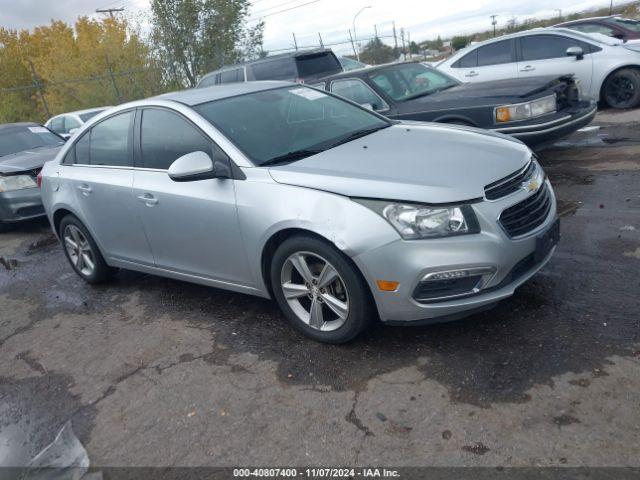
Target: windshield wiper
358	134
290	157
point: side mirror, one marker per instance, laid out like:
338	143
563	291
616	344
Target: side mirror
575	52
197	166
72	131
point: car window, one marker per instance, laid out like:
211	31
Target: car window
470	60
57	125
318	65
208	81
82	150
359	92
17	138
111	141
541	47
166	136
411	80
85	117
70	156
281	69
495	53
629	24
271	123
594	28
70	123
229	76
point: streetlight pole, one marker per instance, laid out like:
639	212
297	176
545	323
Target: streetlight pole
355	37
559	10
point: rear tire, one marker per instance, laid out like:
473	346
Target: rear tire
622	89
82	252
319	290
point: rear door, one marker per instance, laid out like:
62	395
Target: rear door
317	65
494	61
192	226
102	179
547	55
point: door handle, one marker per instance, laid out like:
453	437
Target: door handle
472	73
528	68
148	199
85	189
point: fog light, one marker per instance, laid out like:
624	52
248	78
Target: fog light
387	285
444	285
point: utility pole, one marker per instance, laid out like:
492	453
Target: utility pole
113	79
295	42
110	11
375	29
611	8
38	84
494	22
355	53
559	10
404	50
395	37
409	42
321	42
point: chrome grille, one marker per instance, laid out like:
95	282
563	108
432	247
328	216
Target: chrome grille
527	215
509	184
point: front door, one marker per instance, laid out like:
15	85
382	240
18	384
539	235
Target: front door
192	226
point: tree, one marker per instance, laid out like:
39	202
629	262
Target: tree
459	42
376	52
413	48
193	37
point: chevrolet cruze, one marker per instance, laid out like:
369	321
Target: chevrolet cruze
286	192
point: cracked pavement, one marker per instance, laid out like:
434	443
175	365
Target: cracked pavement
153	371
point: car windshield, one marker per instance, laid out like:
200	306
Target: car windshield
86	116
411	80
287	124
633	25
18	138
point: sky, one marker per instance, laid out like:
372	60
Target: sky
421	19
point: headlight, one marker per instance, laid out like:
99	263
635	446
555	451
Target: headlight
414	221
16	182
524	111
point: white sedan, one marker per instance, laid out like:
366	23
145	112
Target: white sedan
608	69
66	124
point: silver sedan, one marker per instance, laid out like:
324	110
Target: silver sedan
285	192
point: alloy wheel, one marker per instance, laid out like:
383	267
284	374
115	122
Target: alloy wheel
315	291
620	90
79	250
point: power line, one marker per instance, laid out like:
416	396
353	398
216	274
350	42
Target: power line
109	10
275	6
281	11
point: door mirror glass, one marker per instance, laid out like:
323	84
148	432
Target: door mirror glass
575	52
192	166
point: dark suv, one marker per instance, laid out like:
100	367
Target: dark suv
299	66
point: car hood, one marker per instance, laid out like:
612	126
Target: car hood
489	93
27	159
418	162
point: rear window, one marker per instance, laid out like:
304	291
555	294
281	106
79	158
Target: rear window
208	81
85	117
318	65
470	60
279	69
633	25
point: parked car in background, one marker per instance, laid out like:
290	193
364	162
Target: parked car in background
535	109
300	66
66	124
346	214
617	27
24	148
607	68
351	64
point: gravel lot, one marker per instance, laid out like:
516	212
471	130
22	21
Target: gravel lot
159	372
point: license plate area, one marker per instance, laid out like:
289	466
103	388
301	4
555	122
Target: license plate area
547	240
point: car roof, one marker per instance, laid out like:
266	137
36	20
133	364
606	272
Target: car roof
195	96
589	19
6	126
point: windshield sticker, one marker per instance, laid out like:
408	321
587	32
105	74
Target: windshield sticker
38	130
308	93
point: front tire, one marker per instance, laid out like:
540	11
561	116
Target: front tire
622	89
82	252
319	290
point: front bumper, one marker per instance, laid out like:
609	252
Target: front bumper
408	262
20	205
545	129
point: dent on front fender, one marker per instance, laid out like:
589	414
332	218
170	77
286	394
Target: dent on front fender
266	208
